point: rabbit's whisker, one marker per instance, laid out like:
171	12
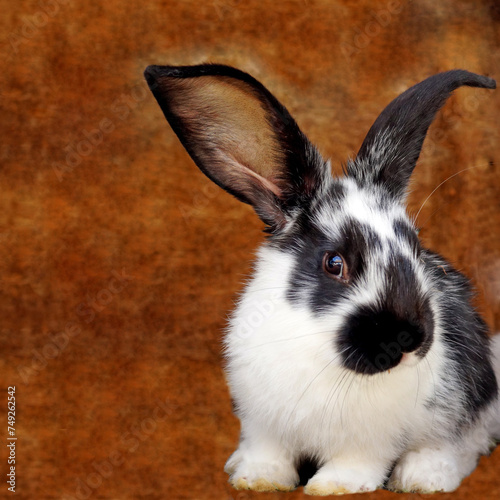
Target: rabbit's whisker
297	337
439	185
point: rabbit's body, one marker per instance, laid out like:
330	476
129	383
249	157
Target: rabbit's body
352	345
281	357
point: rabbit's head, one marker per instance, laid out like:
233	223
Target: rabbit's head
350	250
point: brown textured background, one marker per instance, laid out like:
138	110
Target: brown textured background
120	391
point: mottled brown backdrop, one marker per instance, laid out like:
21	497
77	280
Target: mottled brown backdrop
118	259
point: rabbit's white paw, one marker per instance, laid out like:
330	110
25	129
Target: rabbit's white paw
426	471
271	475
338	479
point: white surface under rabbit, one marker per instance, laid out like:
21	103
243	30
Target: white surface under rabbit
352	345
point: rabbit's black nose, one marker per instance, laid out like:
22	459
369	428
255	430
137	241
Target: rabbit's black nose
374	341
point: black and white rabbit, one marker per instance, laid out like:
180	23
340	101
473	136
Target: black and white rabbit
352	345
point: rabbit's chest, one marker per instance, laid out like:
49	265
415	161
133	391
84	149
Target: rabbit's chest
312	404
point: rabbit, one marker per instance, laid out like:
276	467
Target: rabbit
354	353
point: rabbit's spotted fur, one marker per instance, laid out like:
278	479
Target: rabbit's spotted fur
352	345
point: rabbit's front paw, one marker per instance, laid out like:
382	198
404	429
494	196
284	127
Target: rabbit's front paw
426	471
272	475
338	479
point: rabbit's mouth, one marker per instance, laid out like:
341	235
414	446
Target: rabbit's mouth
375	341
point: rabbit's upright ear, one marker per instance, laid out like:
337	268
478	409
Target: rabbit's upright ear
392	146
240	136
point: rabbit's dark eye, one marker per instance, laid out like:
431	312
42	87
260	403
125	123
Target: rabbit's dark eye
335	265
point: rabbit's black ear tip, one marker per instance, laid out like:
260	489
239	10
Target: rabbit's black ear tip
152	72
459	77
487	82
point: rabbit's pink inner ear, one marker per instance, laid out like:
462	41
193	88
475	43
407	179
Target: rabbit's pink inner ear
225	126
266	183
